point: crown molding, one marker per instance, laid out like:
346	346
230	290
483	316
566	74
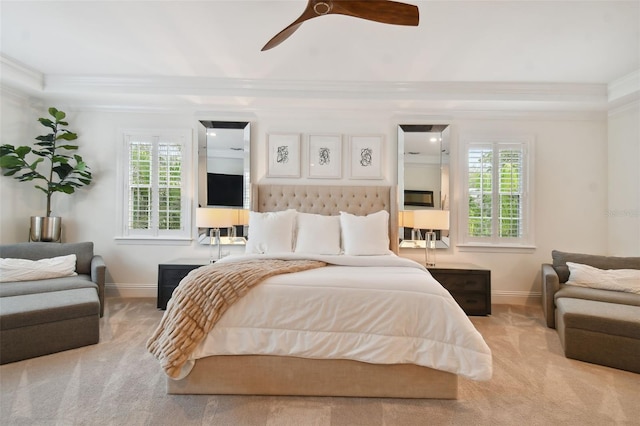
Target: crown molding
19	76
623	91
256	88
167	94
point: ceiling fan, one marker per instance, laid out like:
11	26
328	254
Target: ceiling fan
384	11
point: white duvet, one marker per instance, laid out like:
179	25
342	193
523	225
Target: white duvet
375	309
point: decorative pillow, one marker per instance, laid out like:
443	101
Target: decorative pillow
365	235
317	234
627	280
271	232
27	270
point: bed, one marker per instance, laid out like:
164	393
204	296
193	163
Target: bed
328	332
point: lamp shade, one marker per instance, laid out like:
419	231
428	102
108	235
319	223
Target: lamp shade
215	218
431	219
405	218
241	217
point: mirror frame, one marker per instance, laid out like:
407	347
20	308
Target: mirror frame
442	241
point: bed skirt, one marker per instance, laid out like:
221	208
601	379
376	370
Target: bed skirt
277	375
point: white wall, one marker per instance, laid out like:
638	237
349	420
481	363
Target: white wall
623	212
570	185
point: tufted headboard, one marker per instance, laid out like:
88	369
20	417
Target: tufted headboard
329	200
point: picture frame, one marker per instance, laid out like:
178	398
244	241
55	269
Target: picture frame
365	156
325	156
284	155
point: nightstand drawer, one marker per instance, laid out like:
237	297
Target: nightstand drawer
473	283
470	286
472	304
169	276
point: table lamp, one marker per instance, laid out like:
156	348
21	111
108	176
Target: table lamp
214	219
431	220
405	219
240	217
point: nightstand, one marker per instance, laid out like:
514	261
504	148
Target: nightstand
171	273
470	285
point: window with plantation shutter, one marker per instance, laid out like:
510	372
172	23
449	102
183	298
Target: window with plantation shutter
155	189
497	203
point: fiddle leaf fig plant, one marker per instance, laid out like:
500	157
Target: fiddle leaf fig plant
62	172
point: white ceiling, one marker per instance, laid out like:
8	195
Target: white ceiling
207	53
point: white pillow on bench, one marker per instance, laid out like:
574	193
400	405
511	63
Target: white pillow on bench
29	270
627	280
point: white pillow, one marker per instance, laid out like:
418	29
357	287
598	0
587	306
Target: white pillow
317	234
627	280
27	270
365	235
271	232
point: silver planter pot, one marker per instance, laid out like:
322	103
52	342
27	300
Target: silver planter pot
45	229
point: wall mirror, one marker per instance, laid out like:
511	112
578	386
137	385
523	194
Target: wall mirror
423	176
224	167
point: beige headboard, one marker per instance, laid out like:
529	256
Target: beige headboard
330	200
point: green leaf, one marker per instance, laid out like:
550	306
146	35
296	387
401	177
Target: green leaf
46	122
69	136
21	151
53	111
59	115
69	147
46	138
10	162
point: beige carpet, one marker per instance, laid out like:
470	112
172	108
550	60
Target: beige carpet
116	382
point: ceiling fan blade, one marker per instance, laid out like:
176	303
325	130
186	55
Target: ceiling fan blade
308	13
384	11
387	12
281	36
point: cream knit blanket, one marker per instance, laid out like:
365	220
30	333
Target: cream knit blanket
200	300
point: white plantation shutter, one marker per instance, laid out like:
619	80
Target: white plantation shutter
497	208
156	202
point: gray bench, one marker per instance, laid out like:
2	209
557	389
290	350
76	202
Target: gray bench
41	317
35	324
600	332
594	325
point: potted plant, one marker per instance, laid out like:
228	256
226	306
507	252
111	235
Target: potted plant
62	172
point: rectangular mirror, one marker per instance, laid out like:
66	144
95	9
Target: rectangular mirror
224	166
423	176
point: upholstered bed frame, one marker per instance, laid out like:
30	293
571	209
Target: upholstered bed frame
277	375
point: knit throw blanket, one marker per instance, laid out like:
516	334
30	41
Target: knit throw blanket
200	300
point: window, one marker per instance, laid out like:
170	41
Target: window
497	204
155	190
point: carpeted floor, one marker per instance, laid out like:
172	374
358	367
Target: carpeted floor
116	382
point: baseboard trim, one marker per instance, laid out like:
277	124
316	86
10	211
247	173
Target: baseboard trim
131	290
515	298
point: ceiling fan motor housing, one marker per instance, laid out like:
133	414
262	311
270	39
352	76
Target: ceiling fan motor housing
321	7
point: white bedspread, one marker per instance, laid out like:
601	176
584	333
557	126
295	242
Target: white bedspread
376	309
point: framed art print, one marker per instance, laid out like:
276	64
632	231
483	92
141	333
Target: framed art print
284	155
325	156
365	157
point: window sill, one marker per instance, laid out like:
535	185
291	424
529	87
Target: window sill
164	241
496	248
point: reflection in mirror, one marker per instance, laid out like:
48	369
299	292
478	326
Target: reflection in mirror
224	167
423	176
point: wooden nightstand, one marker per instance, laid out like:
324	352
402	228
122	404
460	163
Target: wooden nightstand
470	285
171	273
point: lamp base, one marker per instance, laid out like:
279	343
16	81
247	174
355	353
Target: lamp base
430	248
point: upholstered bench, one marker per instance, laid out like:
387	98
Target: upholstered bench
39	324
600	332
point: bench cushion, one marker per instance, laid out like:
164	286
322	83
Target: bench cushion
601	317
18	288
596	294
33	309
